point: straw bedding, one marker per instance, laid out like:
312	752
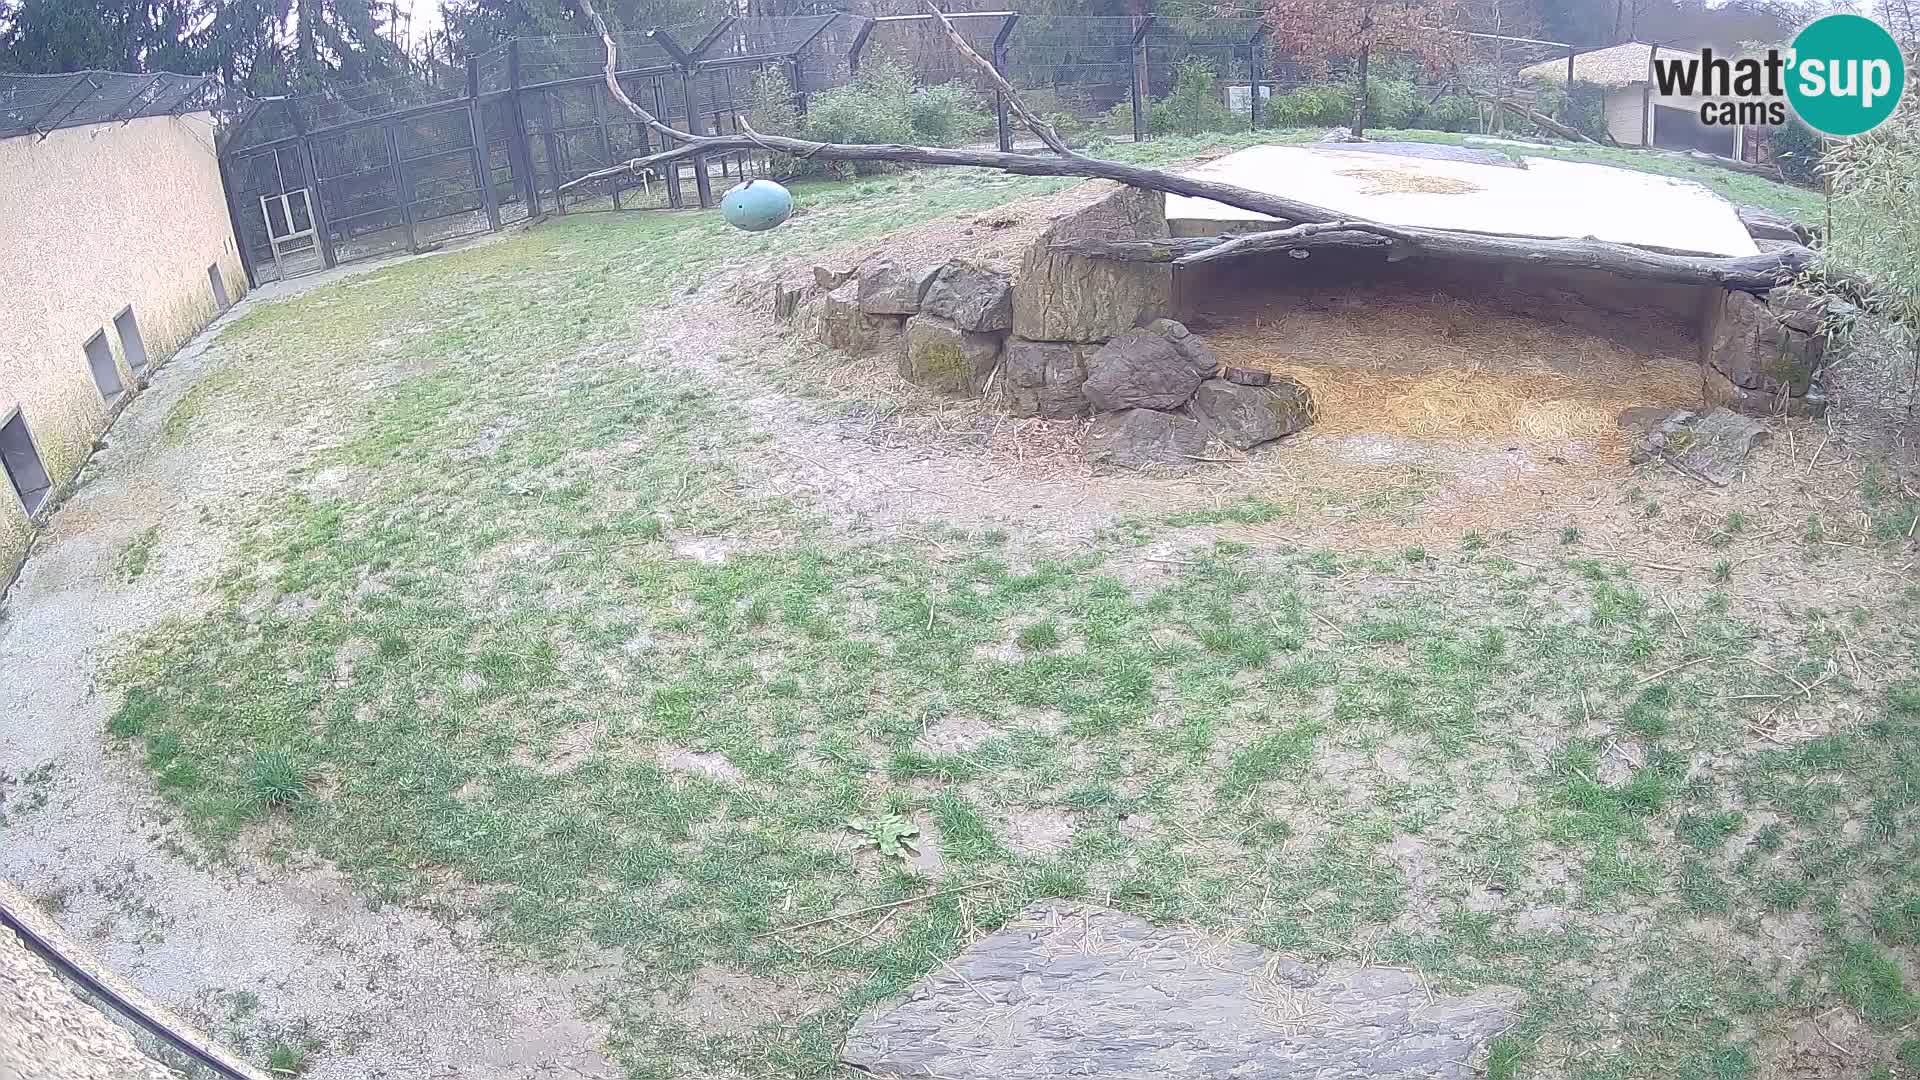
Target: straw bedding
1434	367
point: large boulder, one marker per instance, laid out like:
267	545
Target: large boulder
1136	438
1045	378
828	277
1764	224
975	297
946	359
1711	446
1061	297
1762	353
886	288
1243	417
1148	368
1717	389
845	327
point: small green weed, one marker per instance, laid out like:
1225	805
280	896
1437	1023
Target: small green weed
137	554
275	779
892	834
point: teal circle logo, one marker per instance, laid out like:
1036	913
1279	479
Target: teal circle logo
1846	75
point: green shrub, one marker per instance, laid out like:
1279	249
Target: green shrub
1798	151
1192	106
770	109
881	106
872	109
1318	105
1450	112
947	115
1393	103
1069	109
1583	108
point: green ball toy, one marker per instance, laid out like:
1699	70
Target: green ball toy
757	205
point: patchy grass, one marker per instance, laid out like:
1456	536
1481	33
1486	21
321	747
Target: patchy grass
472	677
137	555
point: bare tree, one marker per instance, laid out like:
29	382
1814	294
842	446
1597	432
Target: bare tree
1321	31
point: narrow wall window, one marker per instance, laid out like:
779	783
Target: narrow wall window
106	373
22	462
220	301
131	344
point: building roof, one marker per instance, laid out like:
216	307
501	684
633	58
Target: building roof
1619	65
38	104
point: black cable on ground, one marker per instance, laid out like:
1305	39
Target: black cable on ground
69	970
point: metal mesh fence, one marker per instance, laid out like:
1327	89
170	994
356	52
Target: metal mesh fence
38	104
403	163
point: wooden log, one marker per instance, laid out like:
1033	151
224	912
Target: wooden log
1538	119
1755	273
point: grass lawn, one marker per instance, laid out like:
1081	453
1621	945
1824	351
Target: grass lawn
475	654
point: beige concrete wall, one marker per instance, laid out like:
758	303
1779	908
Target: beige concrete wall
1625	107
93	219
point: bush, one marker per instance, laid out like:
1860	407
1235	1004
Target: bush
1069	109
1192	106
770	109
1450	112
947	115
1393	103
881	106
1319	105
871	109
1583	108
1798	151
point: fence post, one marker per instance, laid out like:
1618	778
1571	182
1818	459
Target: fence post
1000	65
859	45
402	191
1138	76
554	165
701	182
522	149
674	197
1256	65
797	79
229	185
1566	99
482	158
606	141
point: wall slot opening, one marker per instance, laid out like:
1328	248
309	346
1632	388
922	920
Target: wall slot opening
106	373
22	462
220	301
131	344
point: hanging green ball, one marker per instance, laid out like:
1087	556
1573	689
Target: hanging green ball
757	205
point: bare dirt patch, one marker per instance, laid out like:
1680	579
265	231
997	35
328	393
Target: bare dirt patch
681	760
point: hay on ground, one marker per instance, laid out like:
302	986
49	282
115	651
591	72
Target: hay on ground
1440	368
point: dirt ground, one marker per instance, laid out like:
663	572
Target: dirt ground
273	946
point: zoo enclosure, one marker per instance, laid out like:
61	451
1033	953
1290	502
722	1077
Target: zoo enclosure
317	180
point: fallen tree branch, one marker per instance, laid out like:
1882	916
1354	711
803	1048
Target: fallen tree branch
1539	120
1034	124
1277	206
613	82
1750	272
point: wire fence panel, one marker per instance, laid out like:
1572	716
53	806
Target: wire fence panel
404	163
39	104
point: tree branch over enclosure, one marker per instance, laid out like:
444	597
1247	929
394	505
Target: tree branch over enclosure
1301	226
